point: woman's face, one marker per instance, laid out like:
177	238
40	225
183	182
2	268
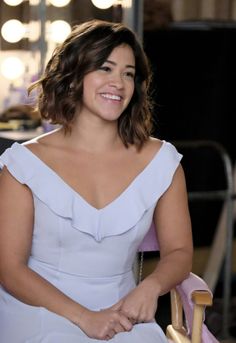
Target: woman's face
108	90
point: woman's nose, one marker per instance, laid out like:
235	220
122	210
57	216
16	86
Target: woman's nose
117	81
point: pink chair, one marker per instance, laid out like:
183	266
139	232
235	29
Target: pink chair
190	297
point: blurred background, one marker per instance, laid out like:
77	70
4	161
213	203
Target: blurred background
191	45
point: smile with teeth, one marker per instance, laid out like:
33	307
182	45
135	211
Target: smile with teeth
111	96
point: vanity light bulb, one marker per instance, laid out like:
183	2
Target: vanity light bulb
59	3
12	68
59	30
13	30
13	2
103	4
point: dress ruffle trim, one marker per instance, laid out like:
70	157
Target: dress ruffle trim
118	216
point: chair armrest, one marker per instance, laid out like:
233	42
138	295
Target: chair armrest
202	297
192	296
198	297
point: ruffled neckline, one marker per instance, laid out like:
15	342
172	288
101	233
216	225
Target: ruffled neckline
70	188
117	217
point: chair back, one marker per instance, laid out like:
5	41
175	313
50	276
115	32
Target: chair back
150	242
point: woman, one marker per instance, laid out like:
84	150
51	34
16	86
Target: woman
76	203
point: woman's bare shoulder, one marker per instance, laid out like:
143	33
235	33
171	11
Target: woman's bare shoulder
149	150
43	142
155	142
152	146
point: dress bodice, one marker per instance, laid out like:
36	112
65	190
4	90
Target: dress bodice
70	234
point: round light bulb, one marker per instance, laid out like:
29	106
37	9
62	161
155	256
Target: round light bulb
59	3
59	30
13	30
12	68
103	4
13	2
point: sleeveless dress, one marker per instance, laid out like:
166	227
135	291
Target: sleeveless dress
85	252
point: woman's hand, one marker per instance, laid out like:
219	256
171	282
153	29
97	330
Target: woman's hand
104	324
140	304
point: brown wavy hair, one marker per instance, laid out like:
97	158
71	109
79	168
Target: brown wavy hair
85	50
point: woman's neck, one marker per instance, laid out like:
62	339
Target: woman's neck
95	136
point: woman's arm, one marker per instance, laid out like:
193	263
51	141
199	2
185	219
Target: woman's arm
16	230
173	224
174	231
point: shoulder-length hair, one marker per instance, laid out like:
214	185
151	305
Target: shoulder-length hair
85	50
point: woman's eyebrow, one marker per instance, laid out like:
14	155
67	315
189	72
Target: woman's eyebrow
114	63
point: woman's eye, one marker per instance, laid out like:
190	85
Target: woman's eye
105	68
129	74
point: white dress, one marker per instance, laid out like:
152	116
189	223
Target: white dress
86	253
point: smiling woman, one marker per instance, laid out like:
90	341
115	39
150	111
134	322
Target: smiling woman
76	203
84	52
108	90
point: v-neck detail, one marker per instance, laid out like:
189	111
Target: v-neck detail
78	194
55	198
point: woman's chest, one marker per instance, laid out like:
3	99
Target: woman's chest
99	180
